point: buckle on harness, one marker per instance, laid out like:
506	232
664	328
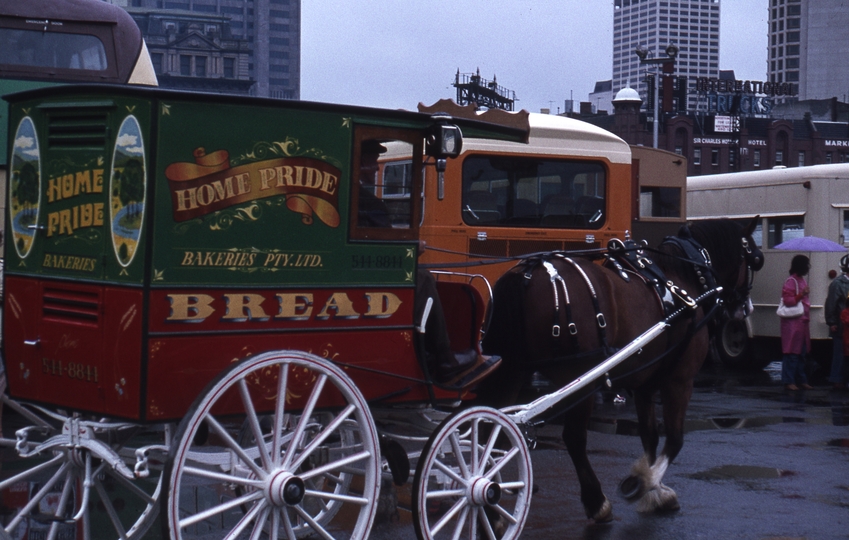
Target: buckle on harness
573	329
555	330
601	322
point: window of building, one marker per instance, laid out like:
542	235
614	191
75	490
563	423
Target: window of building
828	157
697	156
185	65
229	68
156	60
779	157
200	66
714	157
756	158
801	158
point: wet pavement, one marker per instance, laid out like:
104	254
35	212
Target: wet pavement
758	463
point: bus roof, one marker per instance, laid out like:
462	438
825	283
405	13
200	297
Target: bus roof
548	134
766	177
128	42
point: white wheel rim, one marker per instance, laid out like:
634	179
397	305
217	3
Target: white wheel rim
294	484
452	498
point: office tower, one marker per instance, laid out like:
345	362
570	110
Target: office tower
691	25
808	47
260	42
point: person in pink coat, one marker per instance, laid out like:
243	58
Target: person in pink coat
796	332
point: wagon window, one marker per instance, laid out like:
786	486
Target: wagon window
513	191
384	165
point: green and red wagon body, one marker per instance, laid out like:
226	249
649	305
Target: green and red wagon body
154	238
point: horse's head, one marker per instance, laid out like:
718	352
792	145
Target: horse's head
734	257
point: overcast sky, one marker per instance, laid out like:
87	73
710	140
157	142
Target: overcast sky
397	53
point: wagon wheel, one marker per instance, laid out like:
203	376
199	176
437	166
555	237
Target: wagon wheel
316	472
57	487
473	479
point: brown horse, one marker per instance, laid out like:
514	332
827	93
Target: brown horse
561	315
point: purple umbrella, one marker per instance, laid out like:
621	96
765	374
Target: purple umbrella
810	243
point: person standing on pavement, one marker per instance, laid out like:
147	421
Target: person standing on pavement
796	332
838	289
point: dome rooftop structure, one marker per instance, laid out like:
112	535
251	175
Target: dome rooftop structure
627	95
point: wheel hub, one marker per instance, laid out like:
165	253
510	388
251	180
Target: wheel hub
483	492
285	489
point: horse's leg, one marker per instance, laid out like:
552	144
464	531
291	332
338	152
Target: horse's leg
644	472
646	480
595	503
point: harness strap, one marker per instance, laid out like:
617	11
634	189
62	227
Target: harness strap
555	279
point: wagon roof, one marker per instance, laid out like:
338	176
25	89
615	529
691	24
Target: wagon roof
470	127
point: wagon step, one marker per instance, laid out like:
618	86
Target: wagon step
483	366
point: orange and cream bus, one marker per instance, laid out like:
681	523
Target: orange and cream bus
569	188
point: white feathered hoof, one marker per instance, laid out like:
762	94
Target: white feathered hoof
632	488
660	499
604	514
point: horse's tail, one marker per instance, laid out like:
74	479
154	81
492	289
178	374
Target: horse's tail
505	334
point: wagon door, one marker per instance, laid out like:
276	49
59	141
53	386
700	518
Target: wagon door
77	187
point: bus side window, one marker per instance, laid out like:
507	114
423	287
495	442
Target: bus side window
781	229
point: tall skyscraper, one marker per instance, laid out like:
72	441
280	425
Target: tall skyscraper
691	25
271	29
809	45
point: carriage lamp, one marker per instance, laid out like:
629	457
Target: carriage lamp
443	140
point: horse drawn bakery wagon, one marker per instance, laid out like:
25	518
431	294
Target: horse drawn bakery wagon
213	308
200	313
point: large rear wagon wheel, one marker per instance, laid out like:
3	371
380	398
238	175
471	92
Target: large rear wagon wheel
315	473
473	479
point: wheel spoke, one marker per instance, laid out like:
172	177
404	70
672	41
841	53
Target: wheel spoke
220	509
450	472
328	496
110	509
321	437
504	513
501	463
336	464
246	521
9	482
253	422
36	499
485	525
279	413
475	459
223	477
458	454
490	444
312	523
461	524
259	526
305	418
445	494
449	515
235	446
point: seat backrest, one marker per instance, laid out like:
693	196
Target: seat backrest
464	313
558	205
